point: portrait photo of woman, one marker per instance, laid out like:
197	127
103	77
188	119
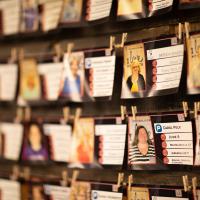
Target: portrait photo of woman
135	81
141	149
35	148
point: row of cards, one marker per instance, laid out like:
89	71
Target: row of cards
88	191
150	140
31	15
150	69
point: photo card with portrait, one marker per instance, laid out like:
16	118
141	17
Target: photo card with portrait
29	16
136	9
35	144
72	81
152	68
60	138
141	144
99	74
51	77
110	137
71	11
193	65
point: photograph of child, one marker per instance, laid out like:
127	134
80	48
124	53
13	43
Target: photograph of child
30	15
73	76
141	142
35	147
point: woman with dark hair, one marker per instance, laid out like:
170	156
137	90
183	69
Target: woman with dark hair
34	148
141	150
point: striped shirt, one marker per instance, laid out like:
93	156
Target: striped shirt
135	155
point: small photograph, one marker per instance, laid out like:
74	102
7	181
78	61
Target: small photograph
30	15
134	78
72	10
35	144
128	7
72	85
83	142
141	142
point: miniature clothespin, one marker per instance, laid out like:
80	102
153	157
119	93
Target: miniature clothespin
196	109
185	108
194	187
70	46
13	56
186	185
74	176
123	112
187	31
26	174
134	112
15	173
130	181
77	114
58	52
66	115
19	115
180	31
21	54
120	180
27	116
123	40
112	42
64	180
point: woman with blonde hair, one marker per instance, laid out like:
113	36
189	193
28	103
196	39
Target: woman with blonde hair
135	81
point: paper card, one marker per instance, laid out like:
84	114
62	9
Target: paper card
30	16
98	9
8	88
51	11
51	75
99	72
141	145
82	148
72	11
138	193
152	68
60	141
104	195
193	57
136	9
80	190
12	139
174	140
35	143
110	142
72	85
29	80
57	192
11	16
6	186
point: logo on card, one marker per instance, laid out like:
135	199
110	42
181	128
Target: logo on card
88	63
158	128
94	195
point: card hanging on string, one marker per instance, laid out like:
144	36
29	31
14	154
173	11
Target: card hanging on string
137	9
152	68
50	13
71	11
10	16
29	16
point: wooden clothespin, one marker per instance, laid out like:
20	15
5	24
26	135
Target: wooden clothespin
194	187
74	177
130	181
196	109
58	52
180	31
70	46
123	40
15	173
186	185
112	42
19	115
187	31
26	174
64	180
13	56
123	112
21	54
77	114
27	115
134	112
120	180
185	108
66	115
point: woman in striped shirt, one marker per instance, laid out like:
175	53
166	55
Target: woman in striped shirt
141	150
